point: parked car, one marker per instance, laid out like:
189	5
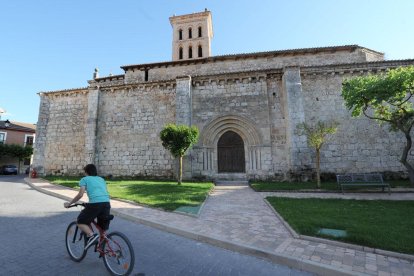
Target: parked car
9	169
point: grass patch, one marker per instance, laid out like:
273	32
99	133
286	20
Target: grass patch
292	186
380	224
262	186
155	193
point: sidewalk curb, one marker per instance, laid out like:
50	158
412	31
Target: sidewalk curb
341	244
44	191
305	265
287	225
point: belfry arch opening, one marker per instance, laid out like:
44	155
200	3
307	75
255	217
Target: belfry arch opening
230	150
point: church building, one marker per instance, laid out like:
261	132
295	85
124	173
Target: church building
246	106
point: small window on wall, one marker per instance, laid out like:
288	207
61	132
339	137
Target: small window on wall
146	75
200	51
26	161
190	52
190	33
180	53
28	141
180	34
199	32
2	137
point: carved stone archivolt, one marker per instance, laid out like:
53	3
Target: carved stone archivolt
240	125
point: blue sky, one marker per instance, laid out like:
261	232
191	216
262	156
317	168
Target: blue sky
50	45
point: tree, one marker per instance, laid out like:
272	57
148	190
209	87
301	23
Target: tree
178	139
3	150
386	98
317	135
17	151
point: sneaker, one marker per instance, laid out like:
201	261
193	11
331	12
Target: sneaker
91	240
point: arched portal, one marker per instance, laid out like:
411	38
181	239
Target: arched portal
230	149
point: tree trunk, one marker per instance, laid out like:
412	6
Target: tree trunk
180	171
404	156
318	169
18	166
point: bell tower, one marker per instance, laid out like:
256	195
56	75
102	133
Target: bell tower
192	34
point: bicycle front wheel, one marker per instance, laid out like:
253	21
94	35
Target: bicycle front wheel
119	255
75	242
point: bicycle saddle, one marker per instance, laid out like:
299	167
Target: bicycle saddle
109	217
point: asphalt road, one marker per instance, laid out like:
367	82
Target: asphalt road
32	232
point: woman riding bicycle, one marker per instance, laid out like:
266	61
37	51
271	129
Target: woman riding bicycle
98	206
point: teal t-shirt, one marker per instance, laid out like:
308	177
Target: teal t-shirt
95	188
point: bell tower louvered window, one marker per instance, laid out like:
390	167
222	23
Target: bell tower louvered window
190	52
180	53
200	51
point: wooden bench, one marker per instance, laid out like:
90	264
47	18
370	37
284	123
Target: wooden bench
361	180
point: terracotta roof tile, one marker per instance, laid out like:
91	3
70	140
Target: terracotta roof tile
19	126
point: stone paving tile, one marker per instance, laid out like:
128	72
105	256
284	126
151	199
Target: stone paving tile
348	260
346	267
383	268
240	216
371	267
336	263
358	268
370	272
359	262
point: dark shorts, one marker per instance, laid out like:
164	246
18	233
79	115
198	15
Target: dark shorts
99	210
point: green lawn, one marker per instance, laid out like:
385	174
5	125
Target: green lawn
261	186
291	186
380	224
159	194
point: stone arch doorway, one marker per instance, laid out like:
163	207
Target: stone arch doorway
230	153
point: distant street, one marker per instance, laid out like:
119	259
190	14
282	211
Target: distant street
32	231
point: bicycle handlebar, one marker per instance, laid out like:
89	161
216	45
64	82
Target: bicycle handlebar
77	204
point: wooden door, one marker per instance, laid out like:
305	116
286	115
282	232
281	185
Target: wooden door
230	149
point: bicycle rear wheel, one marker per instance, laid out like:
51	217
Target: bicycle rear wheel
75	242
119	255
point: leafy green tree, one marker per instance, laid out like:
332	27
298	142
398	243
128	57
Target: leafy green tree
317	135
386	98
17	151
3	150
178	139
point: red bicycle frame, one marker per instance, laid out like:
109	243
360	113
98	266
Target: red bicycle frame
103	239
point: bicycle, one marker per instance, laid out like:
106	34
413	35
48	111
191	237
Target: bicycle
115	248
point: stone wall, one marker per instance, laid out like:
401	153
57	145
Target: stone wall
238	103
129	123
278	111
360	144
60	143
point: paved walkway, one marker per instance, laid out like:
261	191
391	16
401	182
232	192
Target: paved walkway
237	218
